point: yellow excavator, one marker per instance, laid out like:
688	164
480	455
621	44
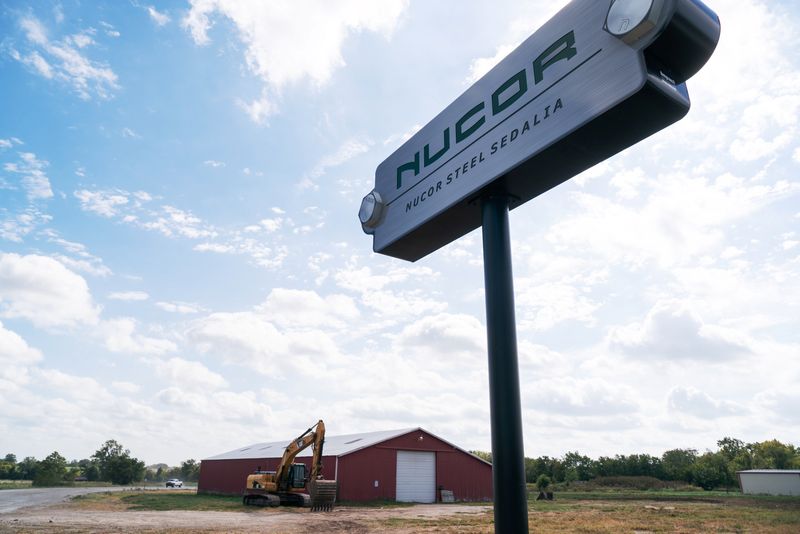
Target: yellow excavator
289	485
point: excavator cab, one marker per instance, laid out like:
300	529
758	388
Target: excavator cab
297	476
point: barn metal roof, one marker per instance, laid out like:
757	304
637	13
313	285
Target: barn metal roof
772	471
334	445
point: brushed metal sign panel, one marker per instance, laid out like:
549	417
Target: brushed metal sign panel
569	96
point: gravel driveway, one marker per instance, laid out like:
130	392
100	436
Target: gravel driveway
14	499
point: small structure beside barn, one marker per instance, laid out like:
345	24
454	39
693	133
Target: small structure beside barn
770	481
409	465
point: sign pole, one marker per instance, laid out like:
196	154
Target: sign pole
508	464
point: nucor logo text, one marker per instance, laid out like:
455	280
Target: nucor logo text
472	120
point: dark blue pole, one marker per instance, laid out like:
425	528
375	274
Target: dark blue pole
508	463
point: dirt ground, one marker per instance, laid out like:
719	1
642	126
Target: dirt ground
112	514
66	518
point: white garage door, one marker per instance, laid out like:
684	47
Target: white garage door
416	476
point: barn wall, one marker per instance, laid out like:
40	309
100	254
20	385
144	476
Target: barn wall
230	476
358	472
467	477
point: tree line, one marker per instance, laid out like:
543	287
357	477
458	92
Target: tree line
709	470
110	463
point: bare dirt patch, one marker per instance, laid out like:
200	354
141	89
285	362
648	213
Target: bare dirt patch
78	519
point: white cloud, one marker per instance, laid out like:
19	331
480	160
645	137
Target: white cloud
109	29
105	203
299	308
133	209
444	337
40	64
17	225
79	388
290	41
386	302
175	221
682	218
16	356
781	402
81	40
219	248
399	139
161	19
699	404
187	374
120	335
33	178
347	151
260	253
534	14
125	387
627	182
282	336
179	307
128	295
580	397
130	134
482	65
213	163
79	259
272	225
672	331
43	291
64	61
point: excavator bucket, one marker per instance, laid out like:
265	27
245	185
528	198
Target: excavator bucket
323	495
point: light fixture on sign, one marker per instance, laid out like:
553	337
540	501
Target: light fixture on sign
370	212
632	19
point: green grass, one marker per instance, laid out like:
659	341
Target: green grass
677	496
15	484
159	501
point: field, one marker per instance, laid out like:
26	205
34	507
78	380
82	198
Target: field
588	512
15	484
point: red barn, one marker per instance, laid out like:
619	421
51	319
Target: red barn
409	465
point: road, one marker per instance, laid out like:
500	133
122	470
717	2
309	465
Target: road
14	499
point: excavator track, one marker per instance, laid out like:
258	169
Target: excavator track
323	495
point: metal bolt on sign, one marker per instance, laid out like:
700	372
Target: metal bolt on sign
598	77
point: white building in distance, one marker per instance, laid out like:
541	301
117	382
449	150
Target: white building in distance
770	481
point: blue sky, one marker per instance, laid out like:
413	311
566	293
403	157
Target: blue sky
182	268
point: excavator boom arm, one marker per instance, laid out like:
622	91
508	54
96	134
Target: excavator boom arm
313	436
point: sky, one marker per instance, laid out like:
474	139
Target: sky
182	268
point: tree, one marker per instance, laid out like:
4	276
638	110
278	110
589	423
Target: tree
483	455
773	454
116	464
578	467
730	448
27	468
190	470
710	471
677	464
543	482
8	470
51	471
11	458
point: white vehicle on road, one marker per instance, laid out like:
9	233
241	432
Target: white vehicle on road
174	483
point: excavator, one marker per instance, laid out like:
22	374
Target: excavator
288	485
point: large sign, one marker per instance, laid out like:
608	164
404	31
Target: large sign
598	77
